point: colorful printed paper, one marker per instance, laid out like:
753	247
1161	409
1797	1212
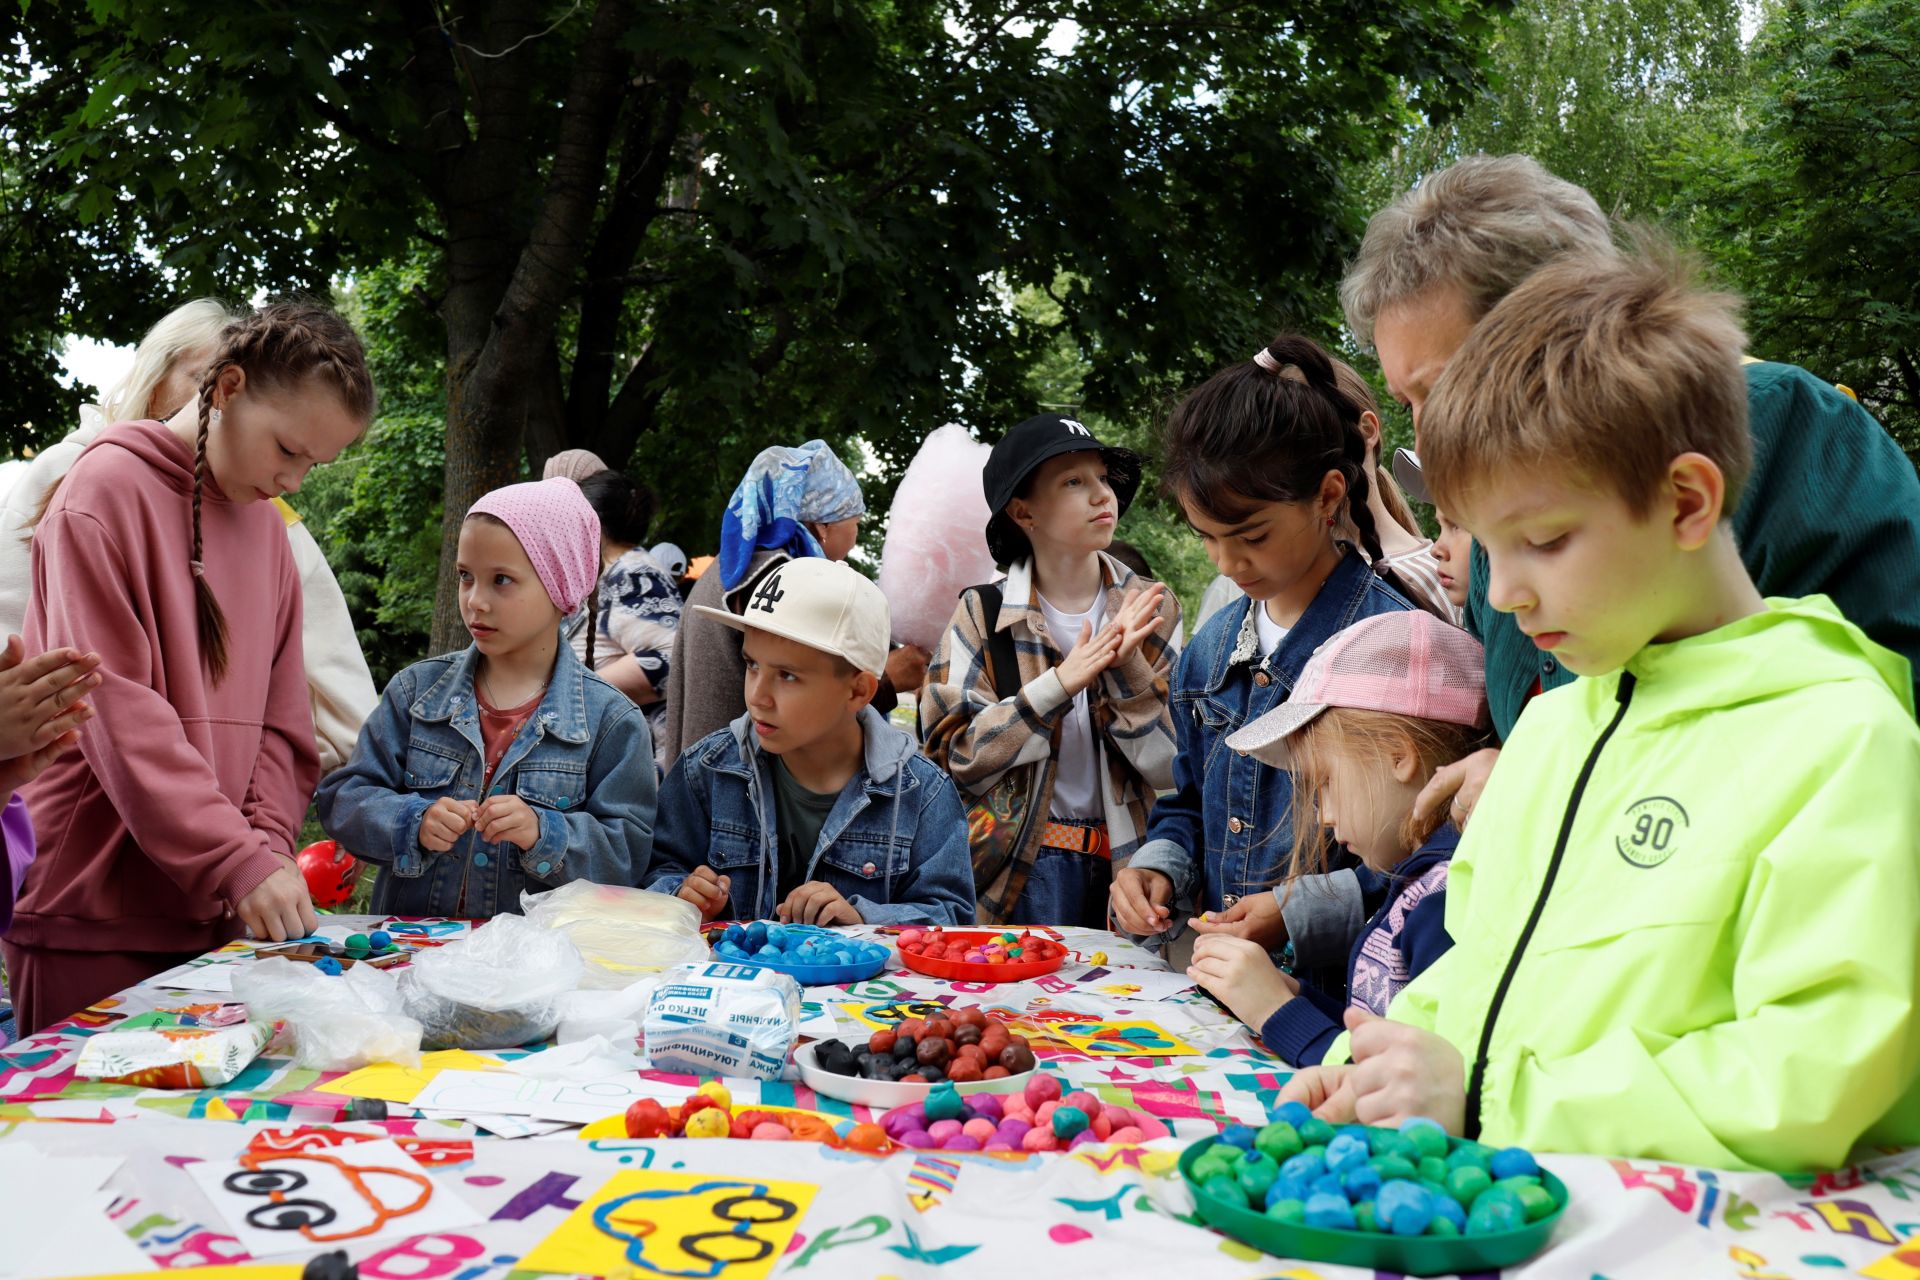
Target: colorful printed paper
1121	1039
391	1082
184	1049
676	1224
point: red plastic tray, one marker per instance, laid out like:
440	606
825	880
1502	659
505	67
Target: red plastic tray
959	969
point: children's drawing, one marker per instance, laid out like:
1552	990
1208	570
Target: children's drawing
686	1226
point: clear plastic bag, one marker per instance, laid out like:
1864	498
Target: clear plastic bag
337	1022
498	987
623	934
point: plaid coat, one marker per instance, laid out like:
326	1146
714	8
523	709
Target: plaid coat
978	738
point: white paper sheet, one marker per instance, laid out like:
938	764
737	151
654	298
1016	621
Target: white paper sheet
484	1093
52	1202
192	977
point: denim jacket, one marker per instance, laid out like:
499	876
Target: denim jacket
894	845
1228	814
583	762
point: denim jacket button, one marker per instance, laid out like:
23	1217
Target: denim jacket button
479	859
1262	679
867	870
1236	826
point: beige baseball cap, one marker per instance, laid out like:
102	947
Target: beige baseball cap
823	604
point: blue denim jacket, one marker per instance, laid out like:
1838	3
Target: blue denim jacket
1228	814
583	762
894	844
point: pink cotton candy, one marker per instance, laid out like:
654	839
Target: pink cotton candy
936	543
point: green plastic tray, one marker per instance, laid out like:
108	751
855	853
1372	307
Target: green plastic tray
1411	1255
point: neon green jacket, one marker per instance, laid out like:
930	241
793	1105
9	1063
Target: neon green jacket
1699	883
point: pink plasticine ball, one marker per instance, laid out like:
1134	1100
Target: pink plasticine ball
961	1142
941	1130
1042	1088
768	1131
1040	1140
1129	1136
979	1127
918	1139
988	1105
1087	1103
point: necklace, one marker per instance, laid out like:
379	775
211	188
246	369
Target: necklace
486	687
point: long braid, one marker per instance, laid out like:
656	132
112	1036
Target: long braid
593	622
213	620
1354	468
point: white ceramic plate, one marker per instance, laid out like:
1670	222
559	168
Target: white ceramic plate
886	1093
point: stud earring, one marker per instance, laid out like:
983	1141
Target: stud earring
213	418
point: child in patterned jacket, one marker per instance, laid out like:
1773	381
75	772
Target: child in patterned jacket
1379	707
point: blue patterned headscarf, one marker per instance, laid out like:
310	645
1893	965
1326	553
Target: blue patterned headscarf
783	491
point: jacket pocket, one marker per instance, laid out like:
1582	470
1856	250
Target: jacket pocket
865	864
551	786
432	767
1704	898
729	849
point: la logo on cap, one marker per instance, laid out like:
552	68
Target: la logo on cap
769	594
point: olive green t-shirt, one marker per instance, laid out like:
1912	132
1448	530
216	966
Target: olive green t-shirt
799	815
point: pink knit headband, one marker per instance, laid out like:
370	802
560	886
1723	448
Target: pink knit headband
558	530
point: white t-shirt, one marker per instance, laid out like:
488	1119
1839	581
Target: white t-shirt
1271	632
1076	783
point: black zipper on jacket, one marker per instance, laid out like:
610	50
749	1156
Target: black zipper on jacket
1477	1078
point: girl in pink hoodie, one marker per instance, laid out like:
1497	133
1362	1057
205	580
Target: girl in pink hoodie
174	824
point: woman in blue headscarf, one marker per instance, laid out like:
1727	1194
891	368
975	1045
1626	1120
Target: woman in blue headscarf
792	503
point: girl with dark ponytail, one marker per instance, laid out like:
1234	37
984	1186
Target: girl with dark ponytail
173	827
1267	461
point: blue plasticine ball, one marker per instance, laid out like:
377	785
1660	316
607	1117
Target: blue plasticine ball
329	966
735	933
1362	1183
1238	1135
1328	1184
1514	1162
380	939
777	936
756	936
1345	1152
1294	1113
1447	1208
1405	1208
1329	1212
1280	1191
1306	1166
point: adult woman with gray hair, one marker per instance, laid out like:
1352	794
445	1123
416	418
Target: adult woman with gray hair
1832	507
166	371
791	503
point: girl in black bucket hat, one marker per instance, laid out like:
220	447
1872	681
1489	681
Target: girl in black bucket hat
1047	697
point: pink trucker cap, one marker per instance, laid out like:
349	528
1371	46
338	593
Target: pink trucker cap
1409	663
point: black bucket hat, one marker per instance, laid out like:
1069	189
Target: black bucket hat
1026	447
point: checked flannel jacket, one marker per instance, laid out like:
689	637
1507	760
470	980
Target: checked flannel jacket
977	738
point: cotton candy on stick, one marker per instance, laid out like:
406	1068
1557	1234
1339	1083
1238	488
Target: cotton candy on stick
936	543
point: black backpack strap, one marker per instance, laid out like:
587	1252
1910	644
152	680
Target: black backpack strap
1003	666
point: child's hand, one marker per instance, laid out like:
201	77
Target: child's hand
444	823
1325	1091
1458	786
507	818
1241	976
40	697
817	902
1400	1072
1138	619
706	890
1091	655
1139	899
278	908
1255	917
21	770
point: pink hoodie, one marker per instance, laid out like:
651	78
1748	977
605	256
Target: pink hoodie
184	795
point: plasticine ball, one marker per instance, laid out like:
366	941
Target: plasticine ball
1329	1212
1514	1162
770	1131
1127	1135
1101	1127
1405	1208
1305	1166
961	1142
1346	1152
1011	1131
1366	1216
1466	1183
1287	1209
1447	1209
1040	1140
988	1105
1391	1167
1328	1184
709	1122
718	1092
328	965
1316	1132
1444	1227
944	1103
1042	1088
1279	1140
1085	1101
380	939
1491	1215
941	1130
1535	1202
358	942
1294	1113
1361	1182
1257	1176
1238	1135
1068	1121
1427	1135
1044	1116
1098	957
1469	1155
866	1137
979	1127
917	1139
1432	1169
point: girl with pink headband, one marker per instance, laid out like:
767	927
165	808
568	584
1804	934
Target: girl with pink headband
508	766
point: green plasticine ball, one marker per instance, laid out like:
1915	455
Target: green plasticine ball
358	942
1426	1135
1432	1169
1443	1227
1294	1211
1466	1183
1391	1167
1316	1132
1279	1142
1366	1216
1536	1202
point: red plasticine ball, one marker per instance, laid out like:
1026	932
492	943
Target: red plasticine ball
330	872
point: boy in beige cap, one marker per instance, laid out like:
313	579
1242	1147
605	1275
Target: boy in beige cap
811	807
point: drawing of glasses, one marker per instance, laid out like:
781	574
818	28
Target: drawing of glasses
717	1250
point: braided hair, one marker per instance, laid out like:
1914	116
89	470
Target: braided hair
282	345
1268	430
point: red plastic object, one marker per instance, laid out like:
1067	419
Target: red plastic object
330	872
1013	971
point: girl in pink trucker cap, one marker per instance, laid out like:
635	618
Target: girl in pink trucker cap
1378	708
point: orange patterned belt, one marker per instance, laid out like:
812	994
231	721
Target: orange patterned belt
1077	839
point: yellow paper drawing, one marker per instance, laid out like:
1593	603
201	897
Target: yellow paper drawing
391	1082
684	1224
1122	1039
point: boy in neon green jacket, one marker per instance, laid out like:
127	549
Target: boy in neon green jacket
1684	913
